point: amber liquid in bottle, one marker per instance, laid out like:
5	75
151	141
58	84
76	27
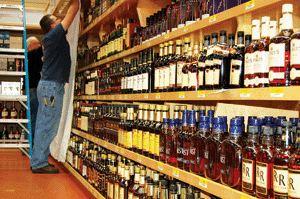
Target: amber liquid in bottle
138	132
13	111
193	69
182	131
185	71
157	130
157	69
181	60
166	68
124	187
145	127
4	112
161	63
134	186
128	127
294	172
140	192
163	141
201	63
174	66
152	131
187	141
171	144
295	61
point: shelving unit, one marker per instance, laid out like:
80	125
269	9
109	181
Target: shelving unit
10	50
12	73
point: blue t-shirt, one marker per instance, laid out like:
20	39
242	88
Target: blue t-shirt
57	59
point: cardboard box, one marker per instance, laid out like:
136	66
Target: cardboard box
6	39
11	64
16	42
3	64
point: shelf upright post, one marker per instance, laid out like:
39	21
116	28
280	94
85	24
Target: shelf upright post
27	81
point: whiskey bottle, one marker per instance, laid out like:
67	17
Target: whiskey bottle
155	186
185	71
135	76
151	131
13	111
171	144
173	191
209	64
181	62
142	61
140	192
279	60
164	189
174	67
293	170
162	142
167	67
182	13
212	153
201	63
157	73
125	185
138	132
128	127
281	162
161	63
17	134
145	75
157	131
11	134
150	72
4	134
193	69
264	165
295	61
237	63
231	156
145	128
4	111
182	131
187	140
249	55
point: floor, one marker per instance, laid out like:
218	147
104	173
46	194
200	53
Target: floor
17	180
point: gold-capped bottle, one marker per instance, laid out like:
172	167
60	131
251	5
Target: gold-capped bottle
151	131
145	124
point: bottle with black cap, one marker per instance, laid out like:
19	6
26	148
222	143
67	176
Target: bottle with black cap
190	196
164	192
201	63
209	64
173	191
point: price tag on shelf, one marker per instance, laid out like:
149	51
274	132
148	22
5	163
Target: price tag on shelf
117	149
105	144
181	95
122	151
125	96
244	197
186	28
104	97
276	92
132	50
120	96
107	59
212	18
250	4
167	36
176	172
201	94
116	56
146	96
157	95
139	158
112	97
148	44
245	92
160	166
203	183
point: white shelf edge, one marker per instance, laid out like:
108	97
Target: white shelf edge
13	98
10	50
13	28
12	56
17	145
12	73
14	121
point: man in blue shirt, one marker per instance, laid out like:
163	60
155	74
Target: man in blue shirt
50	91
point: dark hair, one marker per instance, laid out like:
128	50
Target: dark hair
46	23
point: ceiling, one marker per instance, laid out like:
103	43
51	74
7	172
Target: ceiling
29	4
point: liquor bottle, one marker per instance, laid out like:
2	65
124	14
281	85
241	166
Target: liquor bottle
131	172
140	192
157	130
198	146
264	165
212	153
193	69
142	61
124	186
181	136
164	189
22	113
4	111
201	63
171	144
191	11
295	61
172	13
293	171
163	141
231	156
134	186
173	191
261	56
137	135
182	14
157	69
118	179
135	76
184	190
155	186
185	71
273	29
237	63
111	181
209	64
17	134
180	60
162	53
187	140
167	67
174	66
11	134
128	127
150	71
145	124
281	163
249	55
279	60
151	131
145	73
13	111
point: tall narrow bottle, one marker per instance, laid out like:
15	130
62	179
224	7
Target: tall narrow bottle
171	144
181	136
145	127
128	127
209	63
295	61
151	131
134	186
139	135
140	193
162	142
161	67
181	62
193	69
156	70
187	140
166	68
185	71
173	66
157	130
294	172
279	60
201	63
178	58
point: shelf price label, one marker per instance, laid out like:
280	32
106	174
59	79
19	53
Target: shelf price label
181	95
122	151
146	96
250	4
201	94
148	44
105	144
104	97
125	96
120	96
245	92
212	18
244	197
203	183
117	149
112	97
176	172
186	28
160	166
139	158
157	95
276	92
167	36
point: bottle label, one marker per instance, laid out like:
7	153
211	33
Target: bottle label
122	83
277	55
248	170
262	178
151	143
295	52
209	77
217	61
126	82
145	140
261	62
192	79
139	82
116	190
179	72
122	193
111	190
275	75
130	82
216	76
294	73
294	181
130	196
201	64
140	140
166	76
17	136
129	139
185	80
235	72
134	138
172	74
145	81
4	114
249	63
125	138
135	83
14	114
156	150
11	136
193	151
280	180
161	77
156	76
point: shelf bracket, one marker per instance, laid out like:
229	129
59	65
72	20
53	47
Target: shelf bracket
23	127
21	102
25	152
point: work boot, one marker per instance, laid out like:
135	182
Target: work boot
46	169
48	164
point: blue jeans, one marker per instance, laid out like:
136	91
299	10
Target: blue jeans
34	105
48	118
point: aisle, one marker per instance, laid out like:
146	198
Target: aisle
17	181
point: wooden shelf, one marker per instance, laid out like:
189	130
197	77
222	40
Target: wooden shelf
199	25
87	185
192	179
10	50
14	121
13	28
13	98
271	93
14	145
12	73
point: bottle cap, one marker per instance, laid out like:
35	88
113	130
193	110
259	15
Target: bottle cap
267	131
178	42
143	172
158	107
279	122
287	8
126	167
265	19
251	117
196	43
223	32
166	44
165	108
240	34
232	36
196	108
171	42
182	108
156	177
166	120
235	122
215	34
176	108
287	124
218	120
202	113
203	118
172	121
294	121
152	107
206	37
256	22
187	40
164	183
161	45
173	187
255	122
253	129
192	119
190	196
210	113
137	169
